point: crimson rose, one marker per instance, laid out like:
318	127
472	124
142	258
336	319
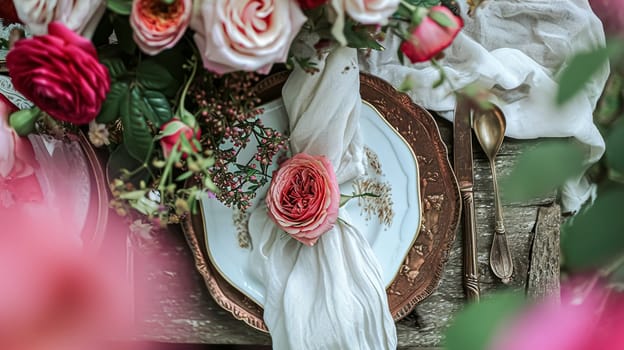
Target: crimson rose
60	73
310	4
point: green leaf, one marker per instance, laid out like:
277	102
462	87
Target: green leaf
442	19
136	133
580	70
615	147
120	159
155	107
122	7
116	67
110	107
154	76
594	236
424	3
542	169
124	34
474	327
360	37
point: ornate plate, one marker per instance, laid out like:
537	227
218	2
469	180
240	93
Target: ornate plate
389	222
412	278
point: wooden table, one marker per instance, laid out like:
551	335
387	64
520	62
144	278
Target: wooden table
176	307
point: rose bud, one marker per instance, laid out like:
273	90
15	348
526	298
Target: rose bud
171	133
60	73
158	26
430	37
304	197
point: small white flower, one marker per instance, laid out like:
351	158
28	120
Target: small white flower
98	134
141	230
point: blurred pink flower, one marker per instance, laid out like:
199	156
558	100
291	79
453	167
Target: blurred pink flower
53	294
581	321
611	13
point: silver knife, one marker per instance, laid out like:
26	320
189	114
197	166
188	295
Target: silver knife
463	163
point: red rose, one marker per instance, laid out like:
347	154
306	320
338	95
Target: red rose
429	38
60	73
8	12
304	197
172	131
611	13
310	4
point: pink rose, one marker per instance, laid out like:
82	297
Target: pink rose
371	11
429	38
81	16
17	162
173	131
304	197
246	35
60	73
158	26
611	13
591	321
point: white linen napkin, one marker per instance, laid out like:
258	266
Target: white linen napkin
517	48
331	295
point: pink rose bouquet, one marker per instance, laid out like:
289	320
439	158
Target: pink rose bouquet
304	197
167	88
60	72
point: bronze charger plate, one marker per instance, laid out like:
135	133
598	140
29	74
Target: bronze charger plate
421	271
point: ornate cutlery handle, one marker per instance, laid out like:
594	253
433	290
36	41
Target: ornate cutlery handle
500	256
471	269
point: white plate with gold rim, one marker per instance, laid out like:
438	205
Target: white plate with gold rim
390	223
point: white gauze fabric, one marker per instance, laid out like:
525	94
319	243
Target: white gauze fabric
517	48
331	295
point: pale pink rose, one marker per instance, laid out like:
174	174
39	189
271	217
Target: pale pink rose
17	162
81	16
248	35
581	322
304	197
371	11
429	38
158	26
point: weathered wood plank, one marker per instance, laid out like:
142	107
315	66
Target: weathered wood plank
543	278
175	306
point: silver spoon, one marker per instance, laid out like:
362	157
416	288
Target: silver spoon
489	126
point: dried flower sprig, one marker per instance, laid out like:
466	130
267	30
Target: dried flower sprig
228	117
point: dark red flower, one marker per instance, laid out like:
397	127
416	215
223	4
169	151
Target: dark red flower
60	73
310	4
8	12
429	38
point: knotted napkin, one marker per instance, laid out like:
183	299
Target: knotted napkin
517	48
331	295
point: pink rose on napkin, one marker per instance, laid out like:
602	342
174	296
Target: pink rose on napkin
158	26
17	162
246	35
304	197
60	73
429	38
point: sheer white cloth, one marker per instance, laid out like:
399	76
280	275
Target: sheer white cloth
517	48
330	296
